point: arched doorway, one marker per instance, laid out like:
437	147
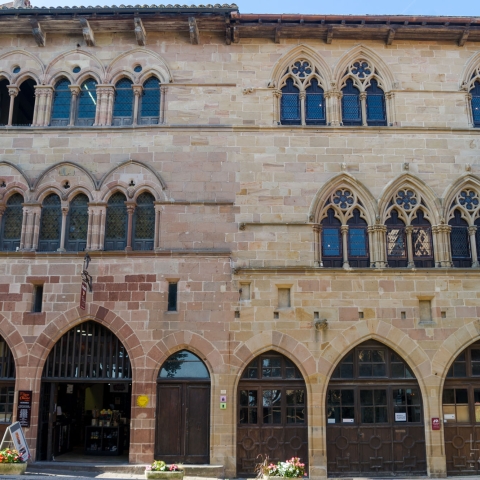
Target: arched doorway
375	423
85	398
182	433
7	385
461	413
271	412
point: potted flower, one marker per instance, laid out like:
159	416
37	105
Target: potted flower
11	462
292	468
159	469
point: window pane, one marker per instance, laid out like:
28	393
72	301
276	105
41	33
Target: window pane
123	106
87	102
476	110
375	109
151	99
460	242
290	106
422	245
330	242
396	243
357	242
61	101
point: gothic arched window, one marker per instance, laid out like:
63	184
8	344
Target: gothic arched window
12	223
4	102
62	99
290	104
422	241
87	103
150	105
475	93
50	224
357	241
315	104
123	105
459	241
332	249
24	104
77	224
144	223
396	241
351	108
376	113
116	223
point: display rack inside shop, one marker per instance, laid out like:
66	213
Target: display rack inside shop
105	435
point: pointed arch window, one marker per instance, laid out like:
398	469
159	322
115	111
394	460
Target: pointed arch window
150	104
24	104
358	255
116	223
332	249
477	237
315	104
351	107
87	103
376	112
144	222
396	241
12	218
123	105
4	102
77	224
422	242
475	92
62	100
459	241
50	224
290	104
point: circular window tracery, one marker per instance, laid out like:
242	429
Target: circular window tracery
468	199
406	199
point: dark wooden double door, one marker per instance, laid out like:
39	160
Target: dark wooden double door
183	422
375	431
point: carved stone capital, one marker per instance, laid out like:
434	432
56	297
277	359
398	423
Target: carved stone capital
74	89
277	93
344	229
137	89
472	229
13	90
363	96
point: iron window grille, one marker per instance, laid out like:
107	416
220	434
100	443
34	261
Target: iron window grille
62	100
375	102
144	222
77	224
123	105
396	241
290	104
150	103
50	224
116	223
87	103
315	104
351	107
460	241
332	245
11	231
475	92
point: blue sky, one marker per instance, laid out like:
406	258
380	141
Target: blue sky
345	7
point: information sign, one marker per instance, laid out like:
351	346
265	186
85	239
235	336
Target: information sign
24	407
436	423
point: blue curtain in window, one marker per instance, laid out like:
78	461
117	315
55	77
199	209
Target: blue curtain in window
123	105
150	107
87	103
332	251
459	241
61	104
351	107
357	241
376	112
12	223
314	105
475	92
290	104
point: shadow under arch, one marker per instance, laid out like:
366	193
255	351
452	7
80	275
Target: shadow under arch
60	164
20	171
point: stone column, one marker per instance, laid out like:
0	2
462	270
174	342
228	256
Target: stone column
96	226
333	98
30	226
390	106
13	92
24	227
101	227
158	210
103	112
363	103
62	231
277	95
37	106
41	114
90	227
441	240
472	232
408	232
75	92
302	96
380	245
163	100
137	92
37	214
317	245
130	209
344	230
468	101
48	106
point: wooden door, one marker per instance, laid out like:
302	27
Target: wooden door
183	422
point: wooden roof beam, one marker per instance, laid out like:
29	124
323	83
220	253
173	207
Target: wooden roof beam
194	34
87	32
140	32
37	32
464	37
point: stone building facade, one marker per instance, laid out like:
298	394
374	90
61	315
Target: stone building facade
250	207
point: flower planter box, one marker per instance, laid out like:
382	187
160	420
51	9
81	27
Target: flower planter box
178	475
13	468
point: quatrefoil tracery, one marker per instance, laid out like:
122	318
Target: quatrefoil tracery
343	199
468	199
406	199
302	69
361	69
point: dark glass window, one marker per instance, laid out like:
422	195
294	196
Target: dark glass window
396	241
87	103
351	108
475	92
459	241
116	223
422	242
123	105
7	363
61	104
467	363
290	104
407	401
24	104
357	241
50	224
37	298
172	296
271	366
477	236
150	105
4	102
12	223
184	364
314	104
340	406
376	112
6	403
77	224
144	222
332	251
